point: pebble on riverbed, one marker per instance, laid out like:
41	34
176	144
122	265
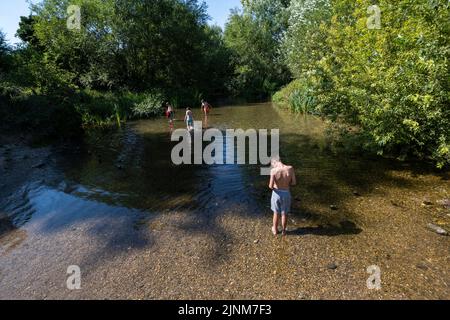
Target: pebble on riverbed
332	266
334	207
427	203
445	203
422	266
437	229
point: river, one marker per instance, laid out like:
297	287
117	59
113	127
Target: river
140	227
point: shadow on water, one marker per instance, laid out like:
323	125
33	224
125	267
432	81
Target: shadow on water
11	236
6	225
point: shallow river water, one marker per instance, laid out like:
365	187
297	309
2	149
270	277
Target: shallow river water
140	227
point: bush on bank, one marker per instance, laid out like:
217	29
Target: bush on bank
391	80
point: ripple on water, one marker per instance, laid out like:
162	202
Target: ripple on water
18	208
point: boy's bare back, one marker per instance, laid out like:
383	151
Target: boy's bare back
282	178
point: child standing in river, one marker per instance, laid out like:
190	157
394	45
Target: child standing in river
170	113
206	108
282	177
189	119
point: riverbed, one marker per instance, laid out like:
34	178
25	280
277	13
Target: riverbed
140	227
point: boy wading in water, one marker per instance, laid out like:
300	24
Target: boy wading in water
282	177
170	114
206	107
189	119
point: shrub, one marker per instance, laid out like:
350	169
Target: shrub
151	106
298	96
392	82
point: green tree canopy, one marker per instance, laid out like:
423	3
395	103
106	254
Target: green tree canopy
138	45
254	37
4	52
392	80
26	31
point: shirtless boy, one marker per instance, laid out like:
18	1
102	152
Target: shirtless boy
170	113
206	107
282	177
189	119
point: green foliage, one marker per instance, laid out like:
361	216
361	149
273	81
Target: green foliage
85	55
26	31
24	111
298	96
305	39
254	38
125	56
152	106
391	82
3	44
103	109
5	61
139	45
217	69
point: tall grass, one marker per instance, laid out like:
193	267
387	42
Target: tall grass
297	96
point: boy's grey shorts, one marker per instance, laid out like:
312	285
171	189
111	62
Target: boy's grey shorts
281	201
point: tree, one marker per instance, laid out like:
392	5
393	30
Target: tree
217	70
304	43
146	45
395	79
161	42
26	31
254	37
391	81
4	53
82	57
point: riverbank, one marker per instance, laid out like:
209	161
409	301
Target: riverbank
204	232
68	114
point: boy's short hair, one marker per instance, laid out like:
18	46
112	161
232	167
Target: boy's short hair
275	160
